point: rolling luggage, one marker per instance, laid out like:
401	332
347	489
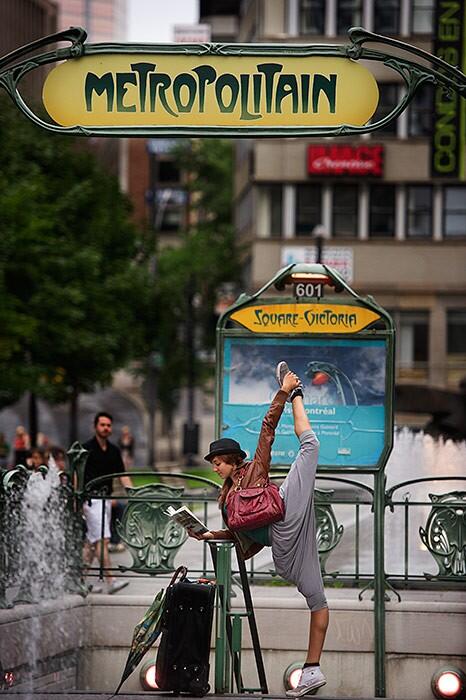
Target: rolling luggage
182	662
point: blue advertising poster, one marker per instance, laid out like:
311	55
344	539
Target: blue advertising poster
344	396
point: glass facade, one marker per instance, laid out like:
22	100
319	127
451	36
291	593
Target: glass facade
308	209
349	14
454	211
388	99
312	16
345	211
387	17
419	211
422	16
382	211
420	112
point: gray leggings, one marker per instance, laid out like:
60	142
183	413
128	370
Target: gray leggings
294	543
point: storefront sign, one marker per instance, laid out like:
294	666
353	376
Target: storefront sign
345	160
172	90
341	259
449	110
304	318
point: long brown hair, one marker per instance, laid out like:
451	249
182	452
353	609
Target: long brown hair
235	460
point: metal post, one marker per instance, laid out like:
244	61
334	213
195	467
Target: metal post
222	656
379	584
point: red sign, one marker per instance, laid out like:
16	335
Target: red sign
345	160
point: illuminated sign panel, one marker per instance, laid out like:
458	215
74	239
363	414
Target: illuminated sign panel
304	318
167	90
345	160
449	110
344	395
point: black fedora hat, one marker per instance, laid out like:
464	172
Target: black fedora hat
224	446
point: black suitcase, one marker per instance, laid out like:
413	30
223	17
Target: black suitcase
182	662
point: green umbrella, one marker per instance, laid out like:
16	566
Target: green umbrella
145	634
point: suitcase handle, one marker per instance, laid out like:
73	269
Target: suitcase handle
180	570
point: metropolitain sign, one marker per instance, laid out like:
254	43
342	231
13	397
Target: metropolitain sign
238	91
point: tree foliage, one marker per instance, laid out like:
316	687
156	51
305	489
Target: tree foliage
72	293
205	260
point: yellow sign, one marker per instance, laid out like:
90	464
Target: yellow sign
126	90
304	318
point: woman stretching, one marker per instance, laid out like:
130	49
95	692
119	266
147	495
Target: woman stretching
293	540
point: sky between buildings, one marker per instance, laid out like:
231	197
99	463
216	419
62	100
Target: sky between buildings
153	20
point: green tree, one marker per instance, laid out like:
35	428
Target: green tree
74	295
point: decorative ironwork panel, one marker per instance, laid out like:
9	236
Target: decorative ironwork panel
151	536
445	534
329	533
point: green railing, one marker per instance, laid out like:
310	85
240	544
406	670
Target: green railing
155	542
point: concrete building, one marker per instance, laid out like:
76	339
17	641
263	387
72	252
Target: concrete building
399	233
24	21
104	20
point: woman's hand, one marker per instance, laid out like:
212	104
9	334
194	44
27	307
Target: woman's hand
290	382
205	536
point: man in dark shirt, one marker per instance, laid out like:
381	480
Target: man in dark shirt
104	459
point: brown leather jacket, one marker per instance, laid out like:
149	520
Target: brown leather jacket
256	472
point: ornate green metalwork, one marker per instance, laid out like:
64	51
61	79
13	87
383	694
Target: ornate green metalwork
329	533
77	456
13	68
151	536
445	534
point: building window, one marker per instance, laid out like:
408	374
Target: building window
422	18
420	112
382	211
387	16
349	14
413	341
456	333
312	17
170	210
243	217
454	211
308	209
388	99
269	211
345	211
168	171
456	346
419	211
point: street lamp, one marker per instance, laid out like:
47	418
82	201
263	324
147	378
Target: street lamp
319	233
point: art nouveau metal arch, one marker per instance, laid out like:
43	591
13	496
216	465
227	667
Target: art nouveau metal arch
415	66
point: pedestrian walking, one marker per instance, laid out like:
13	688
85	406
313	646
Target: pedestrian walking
21	445
126	443
104	459
293	539
4	451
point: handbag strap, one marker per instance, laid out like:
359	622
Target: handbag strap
181	571
238	486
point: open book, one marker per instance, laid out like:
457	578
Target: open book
187	519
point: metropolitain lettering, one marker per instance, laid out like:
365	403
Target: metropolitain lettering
267	91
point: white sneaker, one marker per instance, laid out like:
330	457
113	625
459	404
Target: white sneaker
311	679
116	586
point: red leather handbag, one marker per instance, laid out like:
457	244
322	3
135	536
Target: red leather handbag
256	506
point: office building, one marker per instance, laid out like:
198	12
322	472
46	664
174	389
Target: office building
395	229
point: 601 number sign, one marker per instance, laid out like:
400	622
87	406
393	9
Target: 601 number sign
308	289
